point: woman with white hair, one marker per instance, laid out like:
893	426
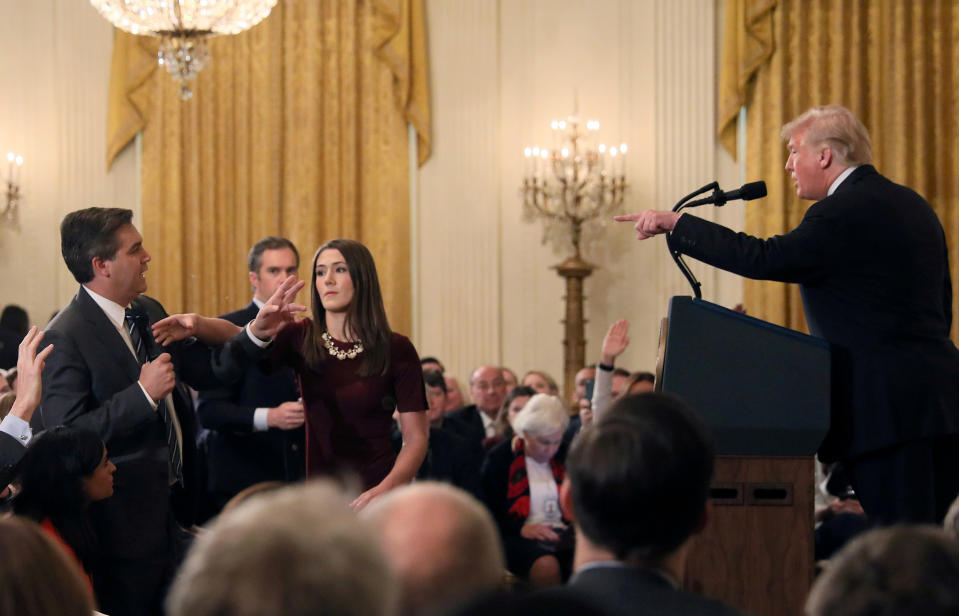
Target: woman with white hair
521	480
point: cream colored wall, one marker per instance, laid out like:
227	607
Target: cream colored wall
54	70
500	71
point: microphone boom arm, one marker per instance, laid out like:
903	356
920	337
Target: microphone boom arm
675	254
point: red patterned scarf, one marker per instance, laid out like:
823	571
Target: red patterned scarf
517	493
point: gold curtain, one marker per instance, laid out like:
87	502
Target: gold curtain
890	62
298	128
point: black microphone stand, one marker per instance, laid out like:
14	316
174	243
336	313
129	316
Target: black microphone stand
675	254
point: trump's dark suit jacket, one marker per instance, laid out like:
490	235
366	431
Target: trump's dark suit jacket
238	457
873	271
90	380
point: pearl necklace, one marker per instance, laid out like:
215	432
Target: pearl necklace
337	353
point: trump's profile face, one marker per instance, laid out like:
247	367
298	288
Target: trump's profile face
805	164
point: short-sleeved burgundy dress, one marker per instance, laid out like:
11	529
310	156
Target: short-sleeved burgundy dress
348	417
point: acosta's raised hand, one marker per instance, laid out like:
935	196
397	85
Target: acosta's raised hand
278	310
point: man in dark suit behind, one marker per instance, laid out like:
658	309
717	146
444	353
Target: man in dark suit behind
871	260
119	384
474	422
637	488
254	428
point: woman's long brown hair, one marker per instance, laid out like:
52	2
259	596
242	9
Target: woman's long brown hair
365	316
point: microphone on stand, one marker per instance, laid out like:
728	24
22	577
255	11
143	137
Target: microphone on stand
746	192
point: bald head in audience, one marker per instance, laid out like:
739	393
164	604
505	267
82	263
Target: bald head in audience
442	544
295	552
895	571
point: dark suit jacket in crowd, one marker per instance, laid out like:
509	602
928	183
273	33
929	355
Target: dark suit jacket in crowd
467	423
9	348
90	380
639	592
10	453
236	456
449	458
873	271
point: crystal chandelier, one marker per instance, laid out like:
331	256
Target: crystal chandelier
183	27
574	182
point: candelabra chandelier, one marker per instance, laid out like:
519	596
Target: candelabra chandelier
12	182
184	27
573	183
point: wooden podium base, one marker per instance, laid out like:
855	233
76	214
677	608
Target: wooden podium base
756	553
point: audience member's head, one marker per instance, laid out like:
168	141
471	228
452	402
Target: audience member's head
619	382
640	383
454	393
582	377
15	319
541	382
64	470
487	388
431	363
298	551
541	424
513	403
510	377
435	396
896	571
36	575
250	492
441	543
271	261
638	479
9	380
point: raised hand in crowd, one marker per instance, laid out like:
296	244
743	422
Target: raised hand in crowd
615	342
30	366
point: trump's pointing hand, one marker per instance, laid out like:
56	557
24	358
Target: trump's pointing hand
650	222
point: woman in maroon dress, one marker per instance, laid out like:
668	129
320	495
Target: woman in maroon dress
353	370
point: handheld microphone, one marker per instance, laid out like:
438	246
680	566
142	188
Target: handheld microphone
747	192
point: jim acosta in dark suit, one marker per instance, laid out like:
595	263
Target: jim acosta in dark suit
119	383
872	264
254	429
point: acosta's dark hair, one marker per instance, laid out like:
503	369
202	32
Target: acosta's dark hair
365	316
640	476
51	484
269	243
90	233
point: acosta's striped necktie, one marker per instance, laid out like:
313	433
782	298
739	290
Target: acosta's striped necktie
137	324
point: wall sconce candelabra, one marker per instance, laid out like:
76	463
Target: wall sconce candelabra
12	181
569	185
